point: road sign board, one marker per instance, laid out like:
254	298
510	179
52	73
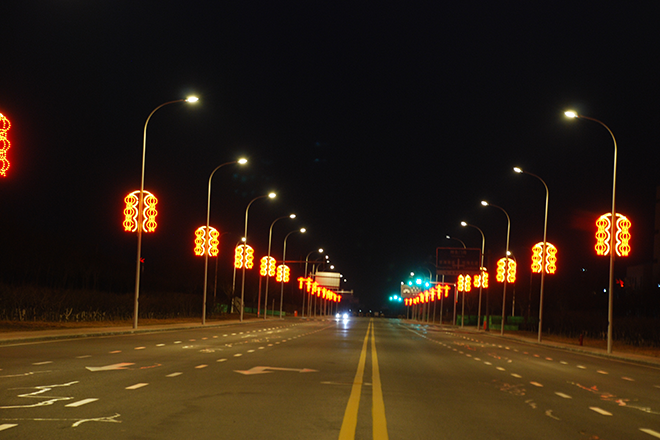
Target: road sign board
457	261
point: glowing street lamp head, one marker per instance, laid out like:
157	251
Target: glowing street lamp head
517	170
463	224
192	99
484	203
242	161
320	250
272	195
571	114
292	216
303	230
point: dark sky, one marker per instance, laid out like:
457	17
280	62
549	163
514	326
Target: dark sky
381	126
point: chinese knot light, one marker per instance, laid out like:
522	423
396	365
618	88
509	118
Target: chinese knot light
148	214
481	280
267	267
622	235
511	276
211	246
464	283
244	253
4	144
283	272
550	258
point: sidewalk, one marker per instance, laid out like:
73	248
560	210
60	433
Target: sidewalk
624	353
21	336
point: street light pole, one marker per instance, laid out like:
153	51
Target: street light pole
245	242
270	238
455	300
506	264
610	308
545	245
302	231
190	99
481	267
207	244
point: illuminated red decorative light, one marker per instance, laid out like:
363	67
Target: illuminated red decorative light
283	273
464	283
248	257
4	144
131	212
212	245
267	267
511	277
550	258
481	280
622	236
311	286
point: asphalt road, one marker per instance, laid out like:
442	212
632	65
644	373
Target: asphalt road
294	379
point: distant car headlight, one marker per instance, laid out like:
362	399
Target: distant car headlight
345	316
338	315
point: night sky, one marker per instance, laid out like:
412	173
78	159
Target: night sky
382	126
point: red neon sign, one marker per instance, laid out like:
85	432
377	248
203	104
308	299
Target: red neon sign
4	144
212	246
148	214
622	235
550	258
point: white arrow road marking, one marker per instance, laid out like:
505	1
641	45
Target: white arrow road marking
7	426
121	366
36	395
77	422
263	370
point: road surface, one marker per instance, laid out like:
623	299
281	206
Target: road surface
362	378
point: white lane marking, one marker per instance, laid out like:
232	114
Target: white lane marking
85	356
487	363
238	354
582	367
7	426
477	359
501	369
600	411
536	384
201	366
221	360
563	362
250	351
602	372
81	403
261	348
136	386
650	432
160	345
178	373
43	363
628	379
516	375
115	352
140	348
121	366
562	395
177	342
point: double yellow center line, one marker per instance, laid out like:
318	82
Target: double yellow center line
349	424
